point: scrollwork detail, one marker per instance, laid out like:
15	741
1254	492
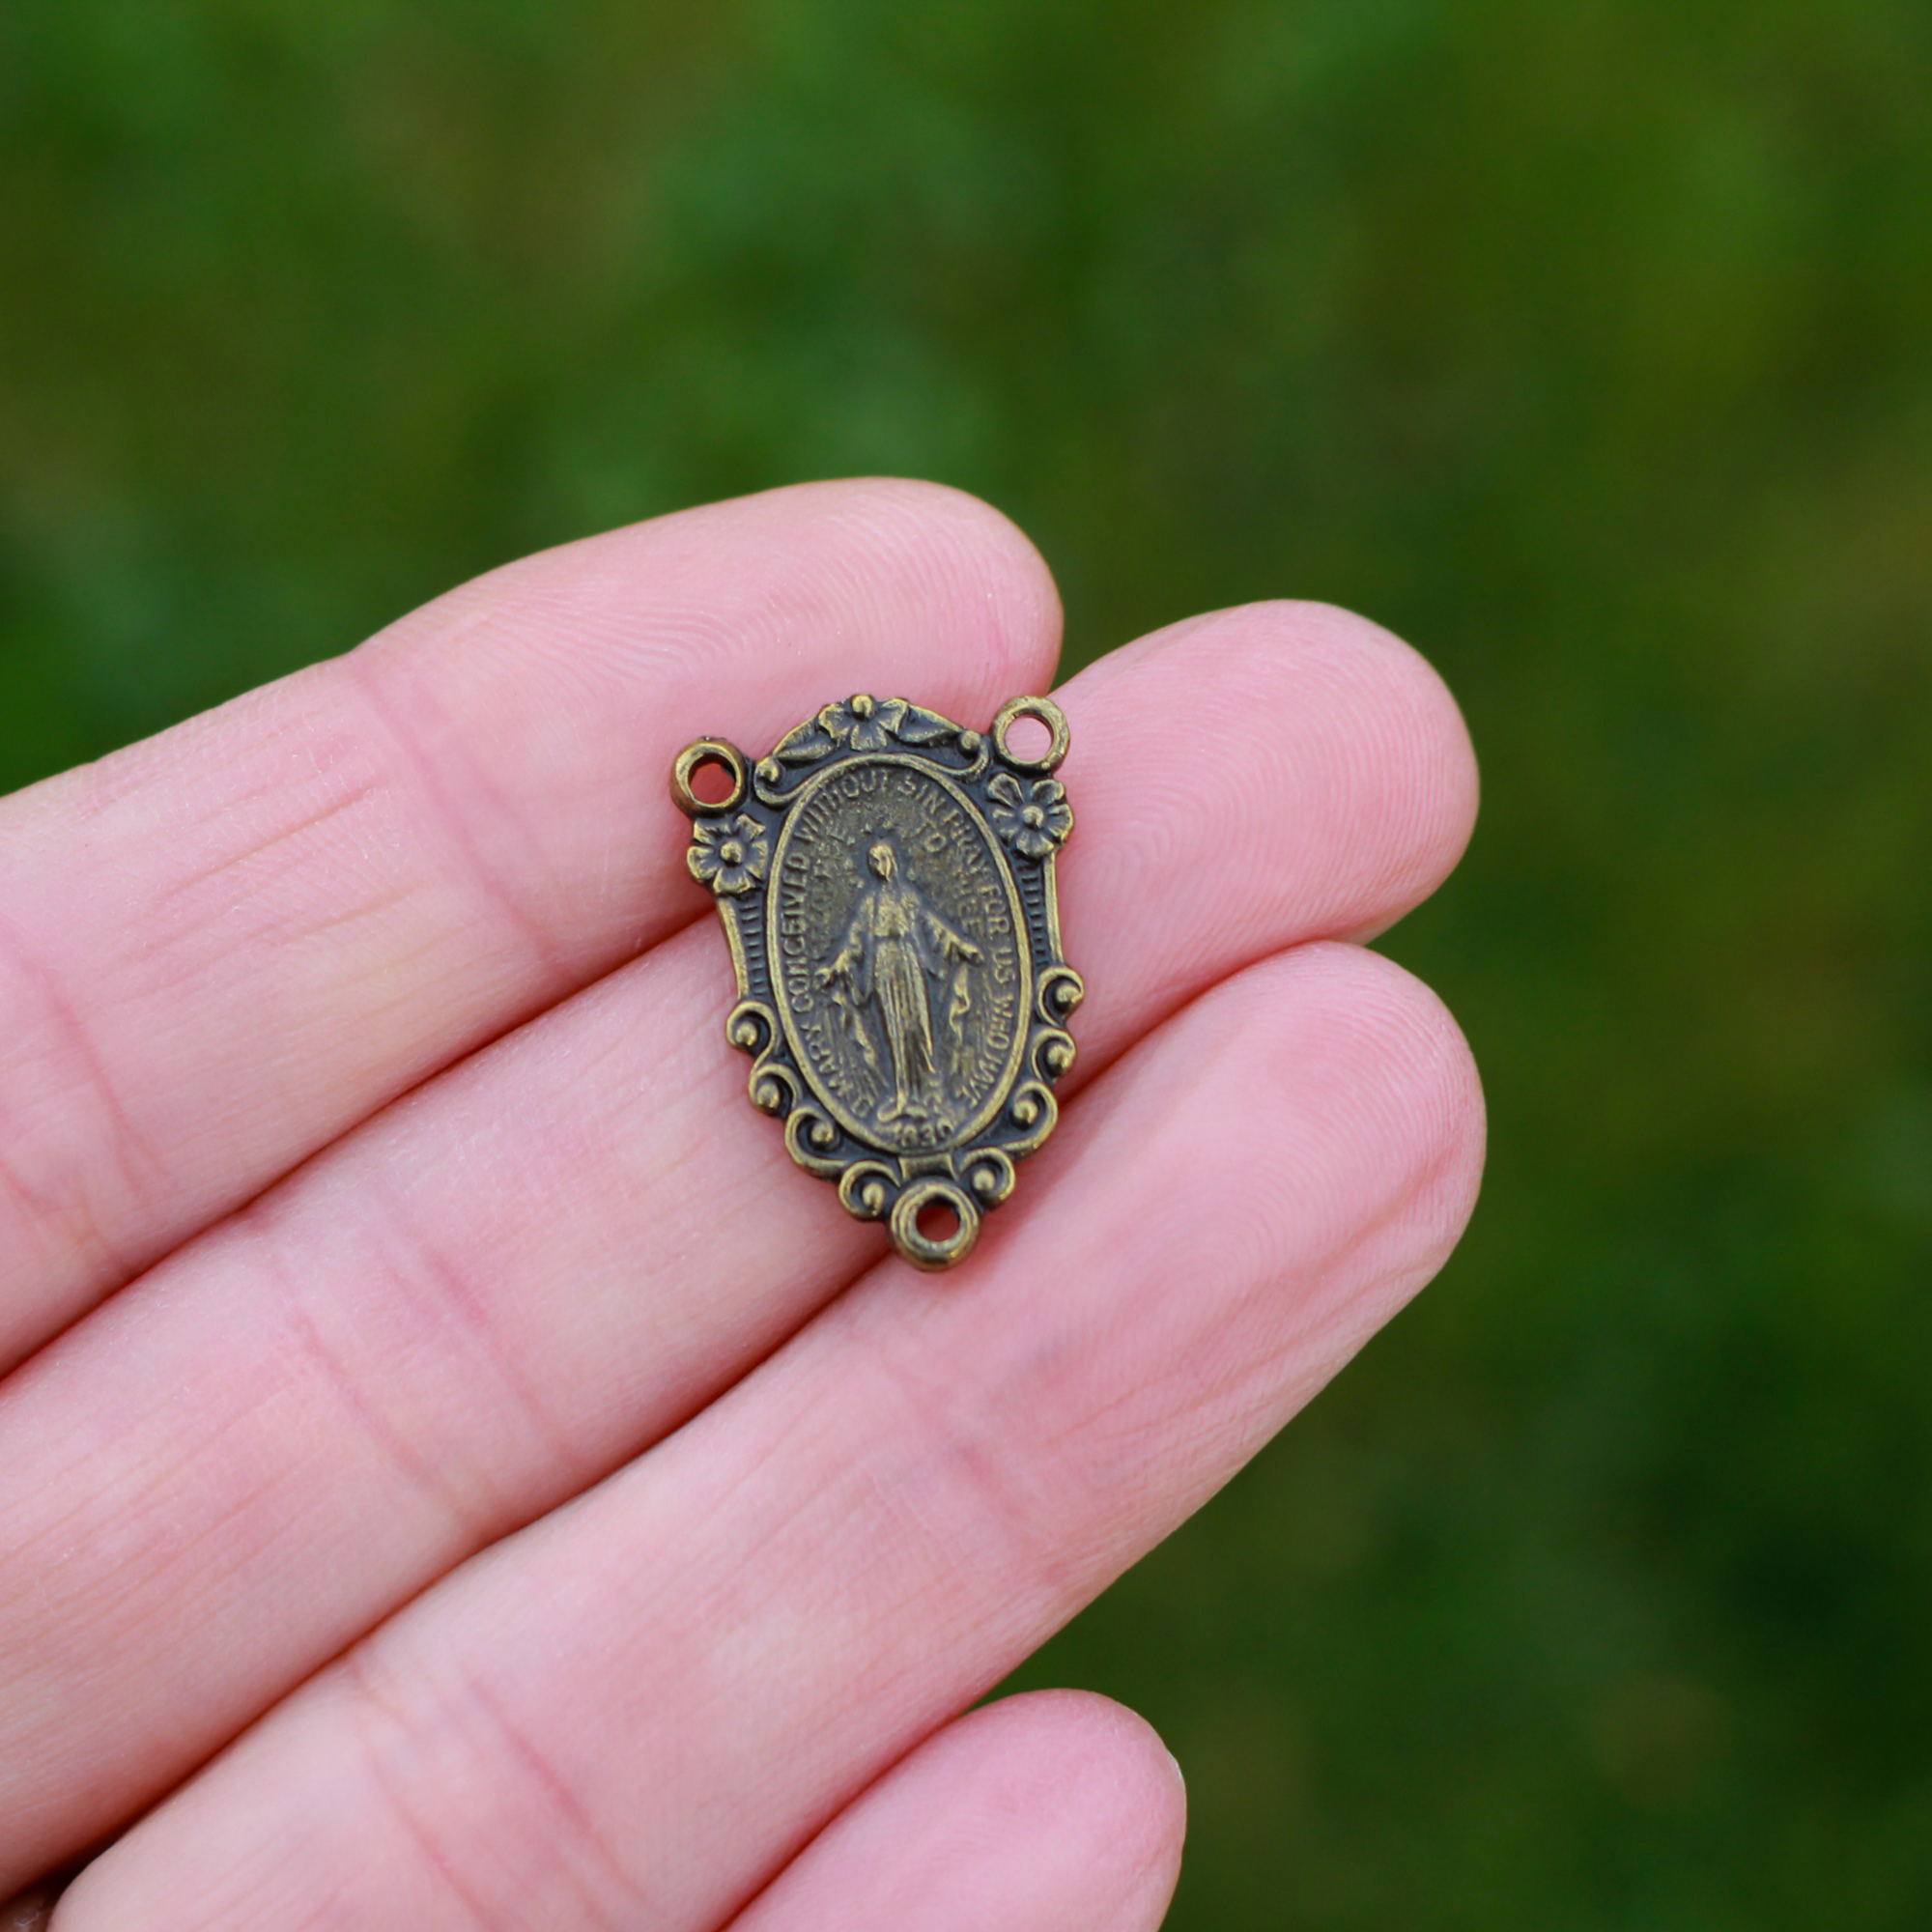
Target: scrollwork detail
988	1171
1034	1111
751	1027
1061	989
773	1088
1053	1051
868	1188
811	1138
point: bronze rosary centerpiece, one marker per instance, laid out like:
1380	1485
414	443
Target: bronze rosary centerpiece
886	882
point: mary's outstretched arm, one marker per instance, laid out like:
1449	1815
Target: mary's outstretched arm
951	945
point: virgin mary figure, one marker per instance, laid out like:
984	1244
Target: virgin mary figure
894	946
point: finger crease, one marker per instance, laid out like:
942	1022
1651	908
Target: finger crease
410	1253
565	1805
421	1471
988	1466
395	1794
432	787
141	1168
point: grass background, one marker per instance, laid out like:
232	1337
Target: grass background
1588	343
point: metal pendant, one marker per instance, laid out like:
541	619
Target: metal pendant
886	882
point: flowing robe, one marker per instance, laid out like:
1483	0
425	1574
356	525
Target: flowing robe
894	946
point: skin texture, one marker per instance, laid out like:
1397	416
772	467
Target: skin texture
1050	1813
479	1477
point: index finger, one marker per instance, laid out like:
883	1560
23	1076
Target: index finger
223	947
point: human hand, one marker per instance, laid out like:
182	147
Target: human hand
442	1403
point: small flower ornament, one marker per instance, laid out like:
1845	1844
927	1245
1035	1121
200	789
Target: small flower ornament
862	724
729	854
1035	818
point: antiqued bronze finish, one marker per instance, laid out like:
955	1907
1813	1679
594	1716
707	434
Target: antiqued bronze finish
886	882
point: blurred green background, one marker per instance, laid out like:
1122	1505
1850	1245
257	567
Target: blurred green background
1588	343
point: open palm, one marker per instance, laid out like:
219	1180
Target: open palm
455	1472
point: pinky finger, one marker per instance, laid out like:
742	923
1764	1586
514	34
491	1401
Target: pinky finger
1053	1812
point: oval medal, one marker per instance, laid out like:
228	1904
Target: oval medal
886	882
